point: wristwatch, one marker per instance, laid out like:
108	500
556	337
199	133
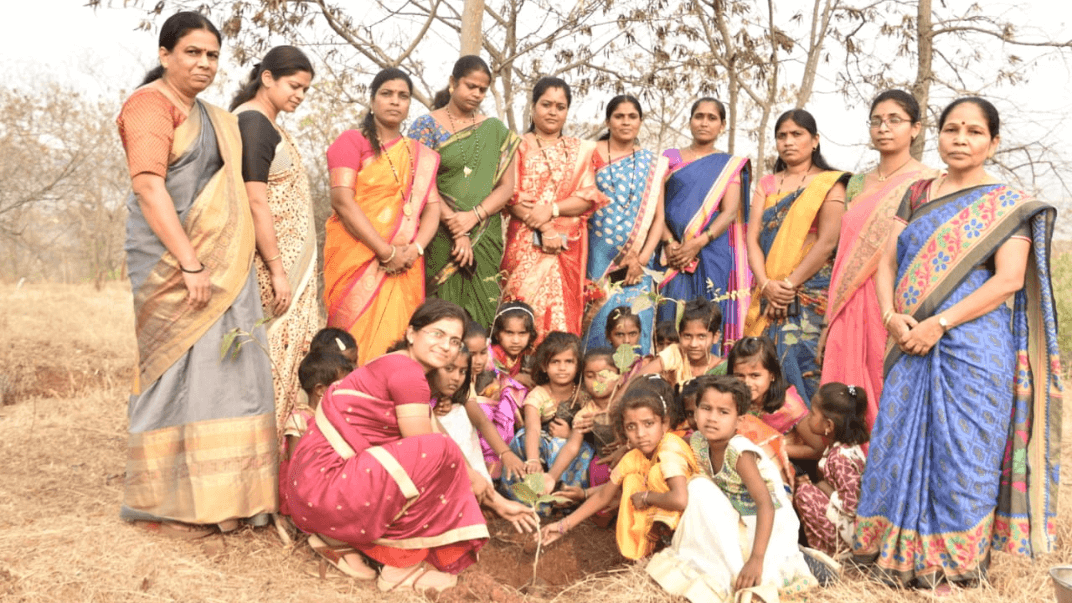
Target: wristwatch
943	323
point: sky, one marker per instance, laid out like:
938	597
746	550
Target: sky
103	49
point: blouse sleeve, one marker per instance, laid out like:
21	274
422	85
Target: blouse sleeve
406	383
259	141
147	125
673	463
345	158
423	130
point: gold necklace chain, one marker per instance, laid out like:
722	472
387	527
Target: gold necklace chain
407	207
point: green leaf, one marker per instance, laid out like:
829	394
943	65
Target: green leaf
640	303
262	322
554	499
624	357
227	342
679	313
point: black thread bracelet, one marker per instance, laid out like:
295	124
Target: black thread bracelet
198	271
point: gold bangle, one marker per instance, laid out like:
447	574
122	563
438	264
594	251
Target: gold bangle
886	317
394	250
764	287
789	282
554	210
420	250
274	258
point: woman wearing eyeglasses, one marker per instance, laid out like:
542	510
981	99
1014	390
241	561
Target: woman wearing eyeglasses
853	337
372	477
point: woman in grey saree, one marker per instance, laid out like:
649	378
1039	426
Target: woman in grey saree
202	446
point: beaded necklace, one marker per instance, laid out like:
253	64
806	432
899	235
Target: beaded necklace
547	161
476	149
407	206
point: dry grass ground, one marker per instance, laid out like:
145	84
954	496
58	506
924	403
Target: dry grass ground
66	354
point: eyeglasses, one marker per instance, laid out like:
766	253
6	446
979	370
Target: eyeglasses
438	337
891	122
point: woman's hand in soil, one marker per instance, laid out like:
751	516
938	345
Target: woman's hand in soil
751	574
551	533
523	517
512	465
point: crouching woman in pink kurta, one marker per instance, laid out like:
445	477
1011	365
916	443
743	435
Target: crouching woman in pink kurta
372	477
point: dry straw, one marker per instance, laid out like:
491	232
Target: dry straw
62	450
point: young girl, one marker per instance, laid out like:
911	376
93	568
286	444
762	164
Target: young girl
498	397
335	340
600	379
450	391
754	360
316	373
623	328
699	329
513	333
739	531
828	508
542	442
665	334
652	478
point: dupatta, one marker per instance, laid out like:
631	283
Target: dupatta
220	227
944	242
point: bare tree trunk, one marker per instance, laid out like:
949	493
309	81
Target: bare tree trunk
472	33
922	86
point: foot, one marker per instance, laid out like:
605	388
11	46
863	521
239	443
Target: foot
343	557
176	529
420	577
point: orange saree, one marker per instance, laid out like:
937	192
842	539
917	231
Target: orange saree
361	297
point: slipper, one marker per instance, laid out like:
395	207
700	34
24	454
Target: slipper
419	578
335	556
228	525
822	566
176	529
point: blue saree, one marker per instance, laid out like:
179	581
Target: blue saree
633	185
965	448
694	193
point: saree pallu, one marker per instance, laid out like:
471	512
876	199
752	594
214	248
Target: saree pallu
694	193
202	444
856	339
964	454
361	297
633	185
290	334
472	162
552	284
354	478
636	473
787	220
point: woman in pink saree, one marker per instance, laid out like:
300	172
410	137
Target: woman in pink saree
853	342
372	476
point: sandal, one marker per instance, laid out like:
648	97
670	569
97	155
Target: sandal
335	555
176	529
228	525
420	577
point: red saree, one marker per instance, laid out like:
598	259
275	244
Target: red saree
354	478
553	284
